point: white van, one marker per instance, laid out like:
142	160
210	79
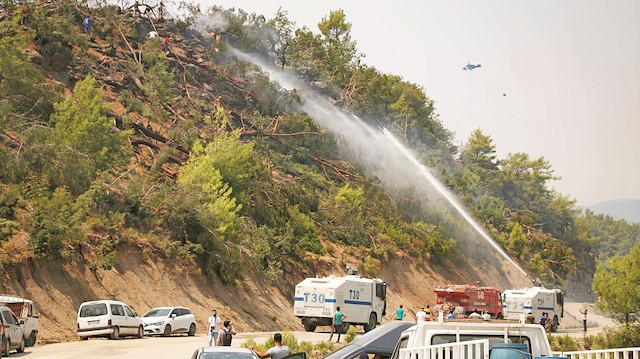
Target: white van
459	339
108	318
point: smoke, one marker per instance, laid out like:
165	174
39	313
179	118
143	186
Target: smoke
396	167
213	22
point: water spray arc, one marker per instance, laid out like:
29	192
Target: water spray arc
380	153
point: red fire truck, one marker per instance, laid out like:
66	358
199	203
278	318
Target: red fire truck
471	298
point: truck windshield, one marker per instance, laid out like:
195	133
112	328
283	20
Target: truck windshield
93	310
451	338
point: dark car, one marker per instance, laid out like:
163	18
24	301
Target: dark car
379	342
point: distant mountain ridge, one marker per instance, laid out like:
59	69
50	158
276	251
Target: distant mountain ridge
627	209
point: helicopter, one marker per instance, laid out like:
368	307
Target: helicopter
469	66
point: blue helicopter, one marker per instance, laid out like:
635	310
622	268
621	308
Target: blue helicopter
469	66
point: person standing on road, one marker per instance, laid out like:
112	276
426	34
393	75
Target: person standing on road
400	313
583	311
421	316
225	335
337	324
543	320
278	351
213	326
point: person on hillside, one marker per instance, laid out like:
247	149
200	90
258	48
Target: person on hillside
87	25
421	316
486	316
428	311
213	326
338	316
278	351
225	335
152	34
475	315
160	10
400	313
165	44
583	311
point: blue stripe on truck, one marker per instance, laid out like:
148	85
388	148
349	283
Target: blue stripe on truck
329	300
546	308
356	302
299	299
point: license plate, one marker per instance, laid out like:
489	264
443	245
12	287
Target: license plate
93	322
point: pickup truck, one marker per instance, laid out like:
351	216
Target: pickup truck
24	311
467	339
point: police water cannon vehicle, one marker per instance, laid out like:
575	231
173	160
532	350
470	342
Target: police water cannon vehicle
363	301
517	303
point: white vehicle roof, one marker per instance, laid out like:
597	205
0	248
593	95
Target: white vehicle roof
8	299
103	301
530	292
333	281
225	349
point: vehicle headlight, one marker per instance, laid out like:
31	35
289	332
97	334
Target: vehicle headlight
156	323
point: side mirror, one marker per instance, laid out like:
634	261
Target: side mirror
21	321
173	316
135	314
37	316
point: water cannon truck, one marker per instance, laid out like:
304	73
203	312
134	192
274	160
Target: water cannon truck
537	300
470	298
362	300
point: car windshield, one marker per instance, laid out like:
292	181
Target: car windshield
226	356
158	312
93	310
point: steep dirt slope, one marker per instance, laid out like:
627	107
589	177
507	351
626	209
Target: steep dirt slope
143	279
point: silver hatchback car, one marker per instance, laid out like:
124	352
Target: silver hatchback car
11	332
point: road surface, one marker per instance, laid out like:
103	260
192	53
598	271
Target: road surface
178	346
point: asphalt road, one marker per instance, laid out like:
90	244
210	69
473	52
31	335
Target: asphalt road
174	347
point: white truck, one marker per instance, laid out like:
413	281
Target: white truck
24	311
363	301
537	300
473	340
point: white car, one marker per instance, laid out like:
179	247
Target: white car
168	320
11	333
223	353
108	318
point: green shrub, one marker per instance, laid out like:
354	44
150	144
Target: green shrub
351	334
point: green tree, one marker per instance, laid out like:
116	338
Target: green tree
83	141
517	240
480	152
617	285
281	36
340	50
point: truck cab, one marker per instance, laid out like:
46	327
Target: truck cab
426	340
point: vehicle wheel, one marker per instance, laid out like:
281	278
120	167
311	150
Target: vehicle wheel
21	347
309	327
32	339
140	332
84	338
372	323
116	333
499	316
345	327
192	330
167	330
554	324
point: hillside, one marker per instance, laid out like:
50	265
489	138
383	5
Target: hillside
188	177
627	209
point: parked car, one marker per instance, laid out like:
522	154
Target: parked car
24	311
108	318
223	353
381	341
168	320
11	332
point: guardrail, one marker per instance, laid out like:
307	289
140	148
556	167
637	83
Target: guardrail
473	349
620	353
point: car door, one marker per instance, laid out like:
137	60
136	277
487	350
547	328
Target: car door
12	328
175	320
184	319
118	318
132	323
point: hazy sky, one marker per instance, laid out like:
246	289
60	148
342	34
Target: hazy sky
570	71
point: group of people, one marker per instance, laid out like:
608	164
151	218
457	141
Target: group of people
484	316
222	336
424	314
